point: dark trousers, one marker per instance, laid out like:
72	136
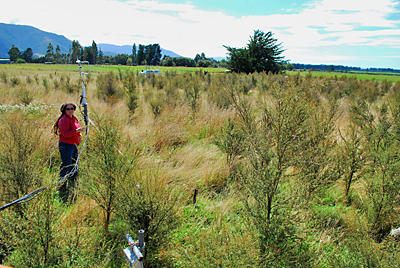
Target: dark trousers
69	155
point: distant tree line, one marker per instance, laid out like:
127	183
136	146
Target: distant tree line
340	68
23	56
55	56
143	55
200	60
262	54
383	70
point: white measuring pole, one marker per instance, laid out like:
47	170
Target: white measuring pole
84	103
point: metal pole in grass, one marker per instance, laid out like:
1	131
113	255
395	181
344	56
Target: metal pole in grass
83	96
141	239
134	251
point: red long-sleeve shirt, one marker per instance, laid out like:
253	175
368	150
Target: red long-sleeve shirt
67	130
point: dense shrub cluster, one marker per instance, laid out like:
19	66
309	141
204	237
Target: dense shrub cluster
289	170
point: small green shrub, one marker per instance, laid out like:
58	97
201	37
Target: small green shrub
107	167
68	86
45	83
108	87
120	74
172	95
385	87
18	158
19	61
25	96
56	238
3	76
56	83
157	102
129	83
152	79
221	97
231	142
37	230
36	78
192	96
160	82
148	203
132	103
396	88
15	81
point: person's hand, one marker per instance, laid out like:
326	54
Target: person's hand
81	129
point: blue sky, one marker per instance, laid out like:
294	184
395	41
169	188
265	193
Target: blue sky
364	33
241	8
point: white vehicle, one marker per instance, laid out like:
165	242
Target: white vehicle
148	72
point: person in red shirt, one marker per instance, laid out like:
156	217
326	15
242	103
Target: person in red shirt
69	131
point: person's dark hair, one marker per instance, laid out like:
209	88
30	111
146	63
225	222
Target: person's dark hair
62	110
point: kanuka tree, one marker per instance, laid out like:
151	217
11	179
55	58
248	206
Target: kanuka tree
262	54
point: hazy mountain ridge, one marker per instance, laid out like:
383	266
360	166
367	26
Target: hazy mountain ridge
25	36
112	50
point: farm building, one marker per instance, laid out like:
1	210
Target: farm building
5	61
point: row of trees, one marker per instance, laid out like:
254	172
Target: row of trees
151	55
341	68
90	54
147	55
51	55
188	62
15	54
144	55
262	54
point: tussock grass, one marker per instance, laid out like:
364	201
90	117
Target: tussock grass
213	234
198	166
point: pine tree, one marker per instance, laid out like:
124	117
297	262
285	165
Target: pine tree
262	54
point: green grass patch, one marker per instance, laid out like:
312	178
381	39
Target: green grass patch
359	75
106	68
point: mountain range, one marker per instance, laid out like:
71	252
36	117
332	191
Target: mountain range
24	36
112	50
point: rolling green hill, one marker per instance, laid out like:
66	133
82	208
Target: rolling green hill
23	37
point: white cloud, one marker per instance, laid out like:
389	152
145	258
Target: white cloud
188	30
342	18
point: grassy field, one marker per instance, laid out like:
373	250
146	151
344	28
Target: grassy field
102	68
364	76
290	170
37	68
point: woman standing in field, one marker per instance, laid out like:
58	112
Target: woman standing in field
68	129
